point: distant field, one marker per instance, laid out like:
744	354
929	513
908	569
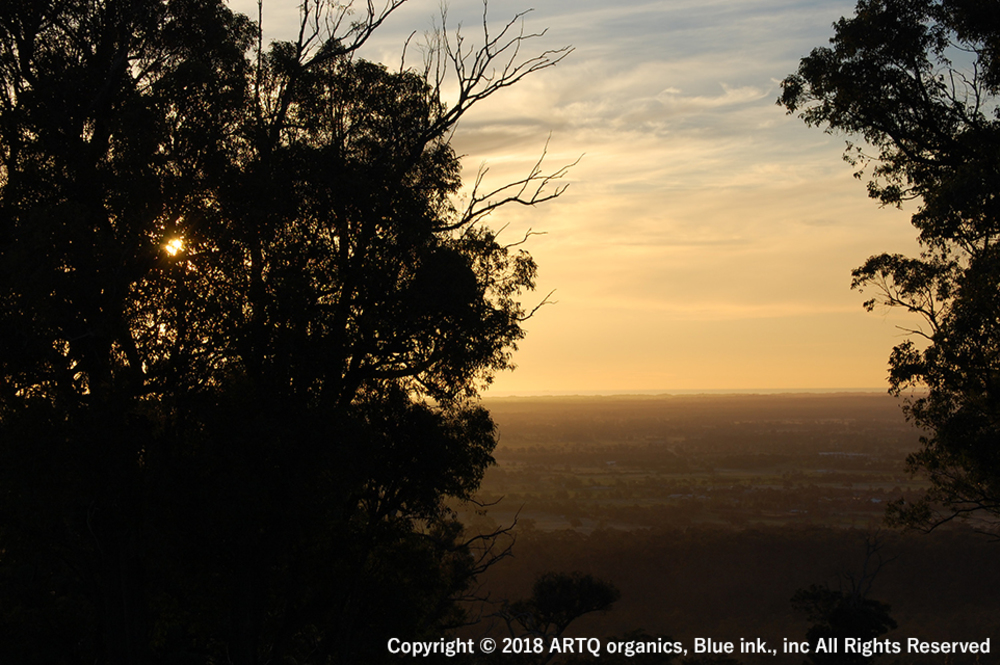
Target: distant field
632	462
709	512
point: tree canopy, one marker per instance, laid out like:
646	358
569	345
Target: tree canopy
916	82
243	319
847	612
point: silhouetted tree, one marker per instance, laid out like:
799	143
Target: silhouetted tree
847	613
840	615
557	600
242	322
917	81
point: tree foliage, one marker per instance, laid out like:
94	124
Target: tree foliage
243	320
840	615
847	612
557	600
917	81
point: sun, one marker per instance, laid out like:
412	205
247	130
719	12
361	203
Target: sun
174	246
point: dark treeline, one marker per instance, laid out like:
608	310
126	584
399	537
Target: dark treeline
242	325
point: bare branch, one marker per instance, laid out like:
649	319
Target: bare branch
480	72
531	190
327	21
545	301
524	239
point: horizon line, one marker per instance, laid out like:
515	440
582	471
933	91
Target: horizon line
683	391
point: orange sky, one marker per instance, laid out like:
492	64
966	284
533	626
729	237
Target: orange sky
706	240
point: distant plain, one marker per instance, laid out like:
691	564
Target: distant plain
710	511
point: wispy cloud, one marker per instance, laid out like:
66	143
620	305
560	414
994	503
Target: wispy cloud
707	238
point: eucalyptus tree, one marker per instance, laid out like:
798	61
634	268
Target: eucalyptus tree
244	321
916	83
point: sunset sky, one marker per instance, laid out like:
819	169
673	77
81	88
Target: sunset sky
706	239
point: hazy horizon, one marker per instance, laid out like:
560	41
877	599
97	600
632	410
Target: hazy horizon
488	394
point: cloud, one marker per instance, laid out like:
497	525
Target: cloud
702	222
674	100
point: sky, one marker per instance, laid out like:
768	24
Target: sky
706	239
